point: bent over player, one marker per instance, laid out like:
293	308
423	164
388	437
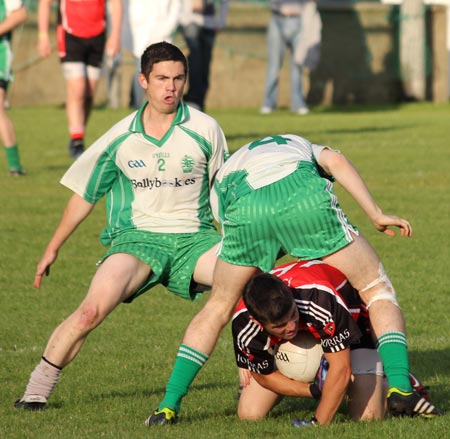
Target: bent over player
314	297
277	193
155	169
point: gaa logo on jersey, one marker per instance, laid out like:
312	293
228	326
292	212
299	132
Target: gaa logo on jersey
136	164
187	163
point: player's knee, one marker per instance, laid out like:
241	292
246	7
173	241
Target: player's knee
383	294
219	312
380	289
220	309
249	413
87	318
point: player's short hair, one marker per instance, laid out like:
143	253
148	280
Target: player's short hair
268	298
158	52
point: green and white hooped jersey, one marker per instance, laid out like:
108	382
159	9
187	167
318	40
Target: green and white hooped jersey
6	7
154	185
258	164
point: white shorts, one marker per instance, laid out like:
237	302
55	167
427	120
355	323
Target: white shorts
366	361
80	70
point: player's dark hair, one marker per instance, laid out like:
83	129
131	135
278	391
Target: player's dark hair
268	298
158	52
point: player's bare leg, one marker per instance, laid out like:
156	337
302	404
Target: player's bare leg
385	314
7	133
75	111
76	89
204	269
367	397
91	87
204	330
362	267
80	91
115	280
201	336
255	401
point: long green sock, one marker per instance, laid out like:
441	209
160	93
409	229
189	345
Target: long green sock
187	364
13	158
393	351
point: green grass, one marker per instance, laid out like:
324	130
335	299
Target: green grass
404	155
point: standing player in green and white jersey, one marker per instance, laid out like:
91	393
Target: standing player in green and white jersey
12	13
155	168
276	194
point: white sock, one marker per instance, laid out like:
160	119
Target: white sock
42	381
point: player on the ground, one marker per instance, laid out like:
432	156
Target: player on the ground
314	297
82	42
12	14
155	168
277	193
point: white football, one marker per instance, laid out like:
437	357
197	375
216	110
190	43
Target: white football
300	357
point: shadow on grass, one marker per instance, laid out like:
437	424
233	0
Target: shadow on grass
248	137
367	129
59	168
426	365
159	391
362	108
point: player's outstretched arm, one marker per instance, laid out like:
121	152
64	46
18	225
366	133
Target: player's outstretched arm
278	383
76	211
337	165
335	386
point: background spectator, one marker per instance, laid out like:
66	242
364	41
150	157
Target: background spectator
144	23
200	21
296	25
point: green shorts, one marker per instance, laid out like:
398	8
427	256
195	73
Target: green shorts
171	256
298	214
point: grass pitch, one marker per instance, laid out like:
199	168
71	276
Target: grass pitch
118	378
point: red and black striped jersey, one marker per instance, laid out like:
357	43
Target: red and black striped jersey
329	307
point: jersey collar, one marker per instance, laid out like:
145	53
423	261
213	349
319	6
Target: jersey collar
136	125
